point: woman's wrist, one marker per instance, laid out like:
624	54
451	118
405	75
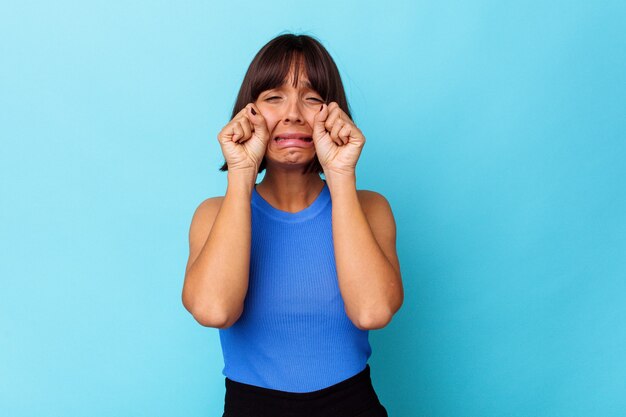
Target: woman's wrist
241	180
340	180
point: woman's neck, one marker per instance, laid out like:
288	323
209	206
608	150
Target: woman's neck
290	190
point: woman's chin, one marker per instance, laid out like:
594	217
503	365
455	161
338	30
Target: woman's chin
292	157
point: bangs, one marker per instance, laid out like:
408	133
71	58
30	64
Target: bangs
274	67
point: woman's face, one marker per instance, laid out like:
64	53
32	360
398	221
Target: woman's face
290	110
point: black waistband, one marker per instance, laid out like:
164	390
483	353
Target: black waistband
362	378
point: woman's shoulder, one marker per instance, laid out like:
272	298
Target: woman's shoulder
210	203
378	211
372	201
206	211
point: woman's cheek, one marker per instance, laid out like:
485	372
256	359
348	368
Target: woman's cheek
271	126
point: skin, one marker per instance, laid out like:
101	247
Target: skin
364	231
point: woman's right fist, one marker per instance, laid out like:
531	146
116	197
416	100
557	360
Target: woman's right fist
244	139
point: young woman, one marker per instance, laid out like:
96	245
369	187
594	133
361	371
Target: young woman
295	270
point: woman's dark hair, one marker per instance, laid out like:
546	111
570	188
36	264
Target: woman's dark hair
270	67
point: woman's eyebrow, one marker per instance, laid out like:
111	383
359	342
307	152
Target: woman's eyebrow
305	84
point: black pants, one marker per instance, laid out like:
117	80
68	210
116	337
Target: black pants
353	397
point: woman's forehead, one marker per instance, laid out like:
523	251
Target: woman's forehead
303	84
303	78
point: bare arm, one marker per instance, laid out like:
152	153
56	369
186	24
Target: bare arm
367	264
216	277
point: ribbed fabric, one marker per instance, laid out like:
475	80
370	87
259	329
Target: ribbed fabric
293	334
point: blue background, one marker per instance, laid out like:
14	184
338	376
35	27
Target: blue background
496	130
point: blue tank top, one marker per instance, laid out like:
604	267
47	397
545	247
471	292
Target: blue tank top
293	334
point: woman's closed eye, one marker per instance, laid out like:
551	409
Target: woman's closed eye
309	98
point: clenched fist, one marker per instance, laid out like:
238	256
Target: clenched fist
244	139
338	142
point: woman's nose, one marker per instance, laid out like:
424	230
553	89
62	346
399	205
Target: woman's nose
293	113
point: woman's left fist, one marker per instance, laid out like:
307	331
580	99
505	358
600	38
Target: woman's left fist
338	142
